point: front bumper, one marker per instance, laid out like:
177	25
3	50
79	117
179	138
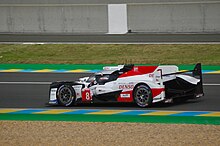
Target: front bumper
53	102
53	96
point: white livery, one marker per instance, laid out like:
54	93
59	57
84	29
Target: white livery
143	85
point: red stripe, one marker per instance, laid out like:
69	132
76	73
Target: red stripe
157	91
139	70
128	99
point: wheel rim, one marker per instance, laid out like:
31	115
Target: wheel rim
66	95
142	96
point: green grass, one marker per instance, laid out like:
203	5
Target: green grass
110	54
113	118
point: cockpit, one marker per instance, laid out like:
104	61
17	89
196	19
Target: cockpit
108	75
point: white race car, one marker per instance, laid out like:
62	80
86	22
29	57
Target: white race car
143	85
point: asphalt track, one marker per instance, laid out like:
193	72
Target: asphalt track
31	90
109	38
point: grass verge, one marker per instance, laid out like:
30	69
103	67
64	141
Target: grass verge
110	54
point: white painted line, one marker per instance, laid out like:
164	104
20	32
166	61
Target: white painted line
47	83
27	83
33	43
211	84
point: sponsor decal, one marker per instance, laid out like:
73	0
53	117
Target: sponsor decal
125	95
156	98
86	95
53	91
106	68
131	83
53	94
135	68
126	86
151	75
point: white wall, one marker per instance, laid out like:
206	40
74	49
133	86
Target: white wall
117	19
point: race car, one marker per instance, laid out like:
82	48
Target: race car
143	85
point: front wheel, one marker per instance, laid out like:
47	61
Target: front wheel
143	96
65	95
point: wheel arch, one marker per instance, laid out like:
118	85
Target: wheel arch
150	98
138	84
69	85
59	84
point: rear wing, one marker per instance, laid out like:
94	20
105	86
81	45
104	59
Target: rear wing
196	72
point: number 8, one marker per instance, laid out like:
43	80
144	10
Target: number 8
87	96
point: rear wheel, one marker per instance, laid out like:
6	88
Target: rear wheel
66	95
143	96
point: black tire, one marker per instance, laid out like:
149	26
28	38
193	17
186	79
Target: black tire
143	95
66	95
